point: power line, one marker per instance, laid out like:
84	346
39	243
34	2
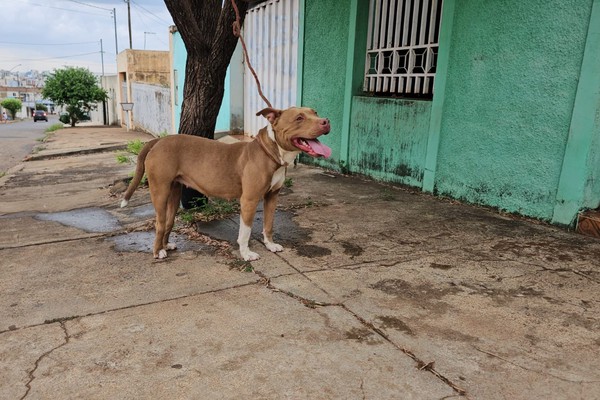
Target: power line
52	58
65	9
48	44
157	18
89	5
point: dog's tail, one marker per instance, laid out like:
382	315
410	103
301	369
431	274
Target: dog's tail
139	171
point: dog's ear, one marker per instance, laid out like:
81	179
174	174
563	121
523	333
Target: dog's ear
269	113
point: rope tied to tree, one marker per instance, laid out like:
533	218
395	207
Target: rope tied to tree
237	32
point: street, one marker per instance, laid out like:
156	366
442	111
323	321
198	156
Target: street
17	139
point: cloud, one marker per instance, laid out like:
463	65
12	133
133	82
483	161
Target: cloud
44	35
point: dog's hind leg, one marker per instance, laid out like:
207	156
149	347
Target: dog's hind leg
160	197
270	203
172	207
248	209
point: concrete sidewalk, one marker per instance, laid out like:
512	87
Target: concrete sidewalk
381	293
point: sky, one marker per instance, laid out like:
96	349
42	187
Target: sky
45	35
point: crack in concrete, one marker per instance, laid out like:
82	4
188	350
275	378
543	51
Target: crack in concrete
420	365
570	270
133	306
31	373
72	239
544	373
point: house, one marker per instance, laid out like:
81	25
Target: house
489	102
509	121
144	78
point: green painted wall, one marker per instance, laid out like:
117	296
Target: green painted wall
510	90
579	186
388	138
515	116
324	63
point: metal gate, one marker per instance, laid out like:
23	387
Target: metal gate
271	35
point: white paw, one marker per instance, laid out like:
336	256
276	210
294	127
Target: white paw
161	254
248	255
273	247
171	246
124	203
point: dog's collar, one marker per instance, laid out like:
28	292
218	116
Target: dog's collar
278	160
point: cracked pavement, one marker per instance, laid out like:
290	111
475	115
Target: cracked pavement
381	293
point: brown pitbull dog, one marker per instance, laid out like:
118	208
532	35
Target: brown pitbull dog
248	171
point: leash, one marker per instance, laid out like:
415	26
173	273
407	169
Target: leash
238	33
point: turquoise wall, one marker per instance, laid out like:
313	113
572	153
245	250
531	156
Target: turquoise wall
388	138
324	58
510	89
179	55
380	137
179	60
515	118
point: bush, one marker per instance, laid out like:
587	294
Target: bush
64	118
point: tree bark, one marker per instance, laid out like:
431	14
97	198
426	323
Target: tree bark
206	30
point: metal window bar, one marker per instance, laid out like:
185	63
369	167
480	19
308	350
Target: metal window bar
402	46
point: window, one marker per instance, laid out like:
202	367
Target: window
402	47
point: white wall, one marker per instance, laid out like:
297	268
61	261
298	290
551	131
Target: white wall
151	108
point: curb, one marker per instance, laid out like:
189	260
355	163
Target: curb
65	153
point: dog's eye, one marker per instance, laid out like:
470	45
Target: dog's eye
299	117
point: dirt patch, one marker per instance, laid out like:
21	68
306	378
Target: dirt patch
312	251
388	322
425	292
351	249
443	267
363	335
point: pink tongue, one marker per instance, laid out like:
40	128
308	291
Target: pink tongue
319	148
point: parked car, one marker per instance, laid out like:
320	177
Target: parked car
40	115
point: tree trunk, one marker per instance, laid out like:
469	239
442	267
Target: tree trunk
206	30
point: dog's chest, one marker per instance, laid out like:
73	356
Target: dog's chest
277	179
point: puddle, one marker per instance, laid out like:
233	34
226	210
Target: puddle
143	211
285	231
87	219
143	242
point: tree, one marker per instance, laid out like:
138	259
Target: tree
13	106
206	30
76	88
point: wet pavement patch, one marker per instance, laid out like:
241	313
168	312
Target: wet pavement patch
87	219
312	251
286	231
144	241
351	249
146	210
395	323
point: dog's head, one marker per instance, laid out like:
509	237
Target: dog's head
297	129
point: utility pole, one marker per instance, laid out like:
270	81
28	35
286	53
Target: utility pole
102	56
104	117
129	21
114	11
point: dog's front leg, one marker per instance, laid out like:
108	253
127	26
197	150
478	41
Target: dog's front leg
270	203
248	209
